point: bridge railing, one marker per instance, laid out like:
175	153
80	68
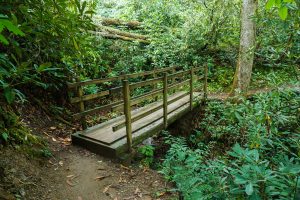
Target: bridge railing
81	98
169	83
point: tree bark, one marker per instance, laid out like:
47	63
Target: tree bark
244	67
119	37
122	33
118	22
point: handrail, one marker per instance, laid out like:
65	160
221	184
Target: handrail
118	78
168	82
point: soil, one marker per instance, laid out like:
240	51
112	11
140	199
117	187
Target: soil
72	173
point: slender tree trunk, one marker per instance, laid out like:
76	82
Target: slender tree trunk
243	71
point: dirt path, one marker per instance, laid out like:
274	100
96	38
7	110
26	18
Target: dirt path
76	174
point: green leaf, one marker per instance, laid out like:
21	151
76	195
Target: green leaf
270	4
12	28
283	12
75	44
249	189
9	95
44	66
5	136
3	40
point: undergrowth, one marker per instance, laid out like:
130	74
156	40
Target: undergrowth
14	133
245	150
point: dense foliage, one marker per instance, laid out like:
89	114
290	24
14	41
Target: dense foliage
249	150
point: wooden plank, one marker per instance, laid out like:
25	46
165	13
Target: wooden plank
139	99
96	109
178	74
106	135
177	85
142	114
127	112
117	78
191	88
144	83
89	97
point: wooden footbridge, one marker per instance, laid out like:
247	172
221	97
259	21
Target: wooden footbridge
171	94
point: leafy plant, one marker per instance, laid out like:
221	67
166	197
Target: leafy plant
147	152
261	158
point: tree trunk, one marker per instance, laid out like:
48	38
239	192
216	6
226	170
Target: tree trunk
243	71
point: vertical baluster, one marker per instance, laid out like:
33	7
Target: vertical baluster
191	87
165	99
127	112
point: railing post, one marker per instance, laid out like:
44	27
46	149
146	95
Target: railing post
165	99
191	88
81	105
127	112
205	83
174	80
155	86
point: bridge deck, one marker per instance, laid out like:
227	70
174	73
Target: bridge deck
103	140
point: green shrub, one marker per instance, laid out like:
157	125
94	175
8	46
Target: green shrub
248	150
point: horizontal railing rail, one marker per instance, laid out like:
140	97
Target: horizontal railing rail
169	82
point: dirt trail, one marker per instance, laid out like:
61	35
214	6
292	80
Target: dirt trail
76	174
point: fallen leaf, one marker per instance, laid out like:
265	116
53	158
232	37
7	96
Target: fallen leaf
52	128
70	176
53	139
137	191
106	189
124	167
69	183
101	177
160	194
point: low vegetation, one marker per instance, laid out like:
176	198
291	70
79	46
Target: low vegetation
245	150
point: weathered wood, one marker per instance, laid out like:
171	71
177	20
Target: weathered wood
144	83
205	83
123	33
117	22
81	106
165	100
96	109
147	112
177	85
178	74
117	78
127	112
118	37
191	88
89	97
139	99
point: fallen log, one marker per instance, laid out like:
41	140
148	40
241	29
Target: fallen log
121	37
117	22
122	33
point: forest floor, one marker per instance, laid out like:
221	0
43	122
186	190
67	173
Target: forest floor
72	173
